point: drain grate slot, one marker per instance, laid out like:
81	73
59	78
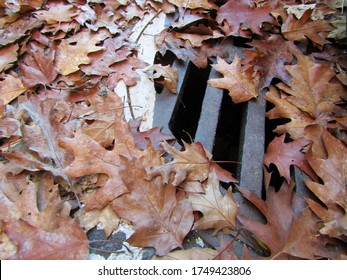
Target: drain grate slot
185	118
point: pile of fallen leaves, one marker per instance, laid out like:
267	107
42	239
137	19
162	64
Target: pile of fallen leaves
70	161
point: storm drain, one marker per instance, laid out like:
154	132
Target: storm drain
232	132
236	134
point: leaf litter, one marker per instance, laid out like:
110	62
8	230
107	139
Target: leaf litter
72	161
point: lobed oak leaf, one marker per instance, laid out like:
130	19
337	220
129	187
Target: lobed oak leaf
154	135
283	155
10	87
289	232
105	218
38	66
246	14
301	29
70	57
242	86
92	158
269	58
13	31
329	161
191	164
218	212
160	220
67	241
8	55
57	13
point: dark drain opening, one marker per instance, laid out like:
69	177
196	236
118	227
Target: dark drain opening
227	140
185	117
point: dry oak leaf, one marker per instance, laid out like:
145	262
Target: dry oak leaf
70	57
92	158
242	86
245	14
67	241
309	98
289	232
194	4
38	66
165	75
153	135
13	31
160	220
269	58
332	169
301	29
191	164
57	13
284	155
105	218
218	212
8	55
10	87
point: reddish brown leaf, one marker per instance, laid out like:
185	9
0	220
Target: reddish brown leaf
160	220
191	164
68	241
269	58
91	158
8	55
38	66
246	14
284	155
285	235
153	135
10	87
301	29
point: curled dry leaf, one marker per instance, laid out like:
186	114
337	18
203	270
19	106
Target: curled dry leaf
10	87
165	75
8	55
191	164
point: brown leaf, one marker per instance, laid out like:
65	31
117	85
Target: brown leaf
165	75
160	220
70	57
154	135
284	155
301	29
10	87
269	58
8	55
218	212
92	158
332	169
38	66
68	241
246	14
57	13
286	234
240	84
191	164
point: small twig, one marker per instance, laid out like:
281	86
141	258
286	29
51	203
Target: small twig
130	103
146	25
